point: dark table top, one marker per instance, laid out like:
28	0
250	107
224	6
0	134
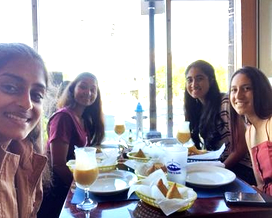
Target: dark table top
209	204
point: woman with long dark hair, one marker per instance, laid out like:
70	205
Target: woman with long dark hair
78	121
207	109
23	84
251	98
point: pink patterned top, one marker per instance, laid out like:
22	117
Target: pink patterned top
262	158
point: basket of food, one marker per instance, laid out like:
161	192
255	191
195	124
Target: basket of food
107	168
145	169
158	192
170	193
139	156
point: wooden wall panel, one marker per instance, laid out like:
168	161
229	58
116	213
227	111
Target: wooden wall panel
249	32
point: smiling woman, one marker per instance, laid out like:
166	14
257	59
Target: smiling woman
78	121
207	109
247	86
23	82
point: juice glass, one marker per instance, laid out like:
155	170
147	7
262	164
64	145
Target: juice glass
85	174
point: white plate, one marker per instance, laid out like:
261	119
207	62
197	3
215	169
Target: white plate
113	182
203	157
206	176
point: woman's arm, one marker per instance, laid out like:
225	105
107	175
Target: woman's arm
58	152
240	149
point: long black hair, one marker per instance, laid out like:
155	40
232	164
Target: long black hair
203	118
92	115
262	96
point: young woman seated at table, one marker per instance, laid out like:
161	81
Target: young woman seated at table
251	97
207	109
23	84
78	121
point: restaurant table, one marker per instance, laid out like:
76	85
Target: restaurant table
208	204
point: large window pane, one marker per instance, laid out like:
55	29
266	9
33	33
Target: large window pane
108	38
200	30
16	21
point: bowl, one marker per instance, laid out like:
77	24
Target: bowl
131	155
151	201
108	167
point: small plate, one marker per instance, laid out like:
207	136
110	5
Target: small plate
204	176
113	182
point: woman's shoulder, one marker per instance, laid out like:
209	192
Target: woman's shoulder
269	128
225	97
269	123
62	114
224	102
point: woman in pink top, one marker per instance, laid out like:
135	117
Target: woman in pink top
251	97
78	121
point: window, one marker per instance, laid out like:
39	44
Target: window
110	38
16	21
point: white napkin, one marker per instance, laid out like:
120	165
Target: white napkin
136	165
211	155
149	187
130	163
152	150
108	157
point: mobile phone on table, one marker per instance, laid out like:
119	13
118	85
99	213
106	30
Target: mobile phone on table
247	199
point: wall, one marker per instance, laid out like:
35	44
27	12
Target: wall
265	37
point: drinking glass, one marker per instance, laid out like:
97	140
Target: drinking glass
119	129
85	174
176	162
183	133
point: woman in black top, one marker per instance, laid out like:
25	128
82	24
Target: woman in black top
207	109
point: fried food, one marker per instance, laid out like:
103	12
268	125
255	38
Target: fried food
161	166
173	192
140	154
150	170
194	151
156	166
162	187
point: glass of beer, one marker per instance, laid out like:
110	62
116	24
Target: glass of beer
183	133
85	174
119	127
